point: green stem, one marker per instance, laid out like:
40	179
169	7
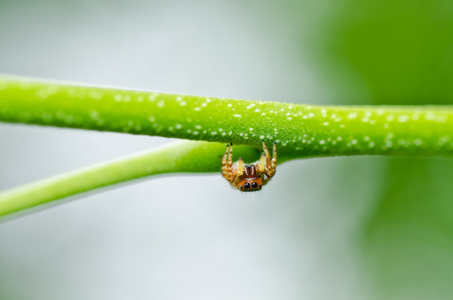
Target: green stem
182	157
299	130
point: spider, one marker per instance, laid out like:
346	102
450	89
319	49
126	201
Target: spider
249	178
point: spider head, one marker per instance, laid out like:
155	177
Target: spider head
250	185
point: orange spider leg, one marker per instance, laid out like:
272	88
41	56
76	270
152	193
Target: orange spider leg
239	167
261	164
228	171
225	168
274	158
230	163
266	164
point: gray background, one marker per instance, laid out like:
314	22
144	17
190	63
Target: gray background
179	237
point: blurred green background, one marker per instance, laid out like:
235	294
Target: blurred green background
342	228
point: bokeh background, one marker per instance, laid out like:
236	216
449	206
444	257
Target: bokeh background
331	228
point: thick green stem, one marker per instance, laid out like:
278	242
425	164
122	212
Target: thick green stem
299	130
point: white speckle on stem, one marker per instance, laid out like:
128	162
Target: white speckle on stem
352	115
444	140
403	118
152	97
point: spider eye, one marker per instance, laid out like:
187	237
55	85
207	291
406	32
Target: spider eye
247	185
254	185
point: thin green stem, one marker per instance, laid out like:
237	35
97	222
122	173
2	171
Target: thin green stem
181	157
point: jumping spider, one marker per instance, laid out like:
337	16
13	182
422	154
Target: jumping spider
249	178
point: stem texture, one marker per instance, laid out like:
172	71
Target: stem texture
299	130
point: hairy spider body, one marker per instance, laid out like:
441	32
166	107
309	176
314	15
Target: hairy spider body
249	178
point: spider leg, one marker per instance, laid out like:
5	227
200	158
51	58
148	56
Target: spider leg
239	167
261	167
261	164
226	168
228	172
265	149
266	164
274	158
224	161
230	159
